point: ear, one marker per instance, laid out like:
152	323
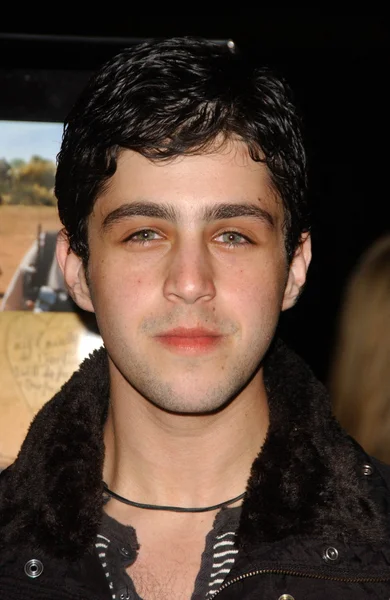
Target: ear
74	273
297	272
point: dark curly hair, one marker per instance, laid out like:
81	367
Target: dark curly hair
164	98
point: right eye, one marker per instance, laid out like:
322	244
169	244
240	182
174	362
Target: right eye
143	236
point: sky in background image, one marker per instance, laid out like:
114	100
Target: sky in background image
24	139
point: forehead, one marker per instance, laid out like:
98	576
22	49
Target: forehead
191	182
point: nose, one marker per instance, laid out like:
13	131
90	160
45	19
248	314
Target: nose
190	276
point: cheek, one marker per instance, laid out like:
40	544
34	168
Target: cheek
256	288
117	290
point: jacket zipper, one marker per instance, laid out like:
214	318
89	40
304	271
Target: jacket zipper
344	579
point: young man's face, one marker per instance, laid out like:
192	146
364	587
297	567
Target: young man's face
188	275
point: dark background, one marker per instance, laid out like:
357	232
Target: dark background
338	66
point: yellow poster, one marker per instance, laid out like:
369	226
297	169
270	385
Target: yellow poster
38	354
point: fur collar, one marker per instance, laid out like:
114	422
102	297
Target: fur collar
305	479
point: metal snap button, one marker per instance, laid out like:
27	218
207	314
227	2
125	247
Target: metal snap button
367	469
286	597
331	554
33	568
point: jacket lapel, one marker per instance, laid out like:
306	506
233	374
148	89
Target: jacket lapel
307	479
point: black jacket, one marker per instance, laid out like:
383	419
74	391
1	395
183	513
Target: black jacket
314	524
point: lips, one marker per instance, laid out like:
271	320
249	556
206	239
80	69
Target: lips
190	340
195	332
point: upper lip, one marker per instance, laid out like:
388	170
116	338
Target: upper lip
190	332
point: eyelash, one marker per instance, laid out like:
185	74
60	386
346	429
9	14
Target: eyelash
231	244
133	238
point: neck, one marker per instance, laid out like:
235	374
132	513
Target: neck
184	460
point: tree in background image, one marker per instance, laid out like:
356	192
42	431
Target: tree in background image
27	183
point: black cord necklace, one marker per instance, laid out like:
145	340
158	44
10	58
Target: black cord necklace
170	508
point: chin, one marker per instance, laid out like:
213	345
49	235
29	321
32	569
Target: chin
192	406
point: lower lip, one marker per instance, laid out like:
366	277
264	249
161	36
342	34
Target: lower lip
191	345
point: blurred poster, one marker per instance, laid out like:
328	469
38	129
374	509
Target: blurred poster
43	336
29	275
38	354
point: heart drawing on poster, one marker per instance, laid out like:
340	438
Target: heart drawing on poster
43	352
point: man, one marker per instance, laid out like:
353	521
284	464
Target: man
194	456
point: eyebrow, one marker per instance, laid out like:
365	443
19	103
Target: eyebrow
139	209
168	212
230	211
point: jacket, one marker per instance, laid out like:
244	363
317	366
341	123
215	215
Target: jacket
314	521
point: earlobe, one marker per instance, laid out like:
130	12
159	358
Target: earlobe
297	272
74	273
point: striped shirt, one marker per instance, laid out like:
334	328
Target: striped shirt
117	547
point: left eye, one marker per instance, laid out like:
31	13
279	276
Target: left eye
232	238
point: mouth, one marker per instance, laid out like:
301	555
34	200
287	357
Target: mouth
190	340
